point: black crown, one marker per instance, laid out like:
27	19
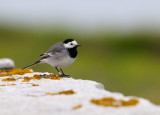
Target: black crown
68	40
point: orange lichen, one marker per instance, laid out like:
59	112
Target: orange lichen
11	84
68	92
131	102
9	79
35	85
26	79
9	72
53	77
38	77
8	85
114	103
77	107
50	76
3	85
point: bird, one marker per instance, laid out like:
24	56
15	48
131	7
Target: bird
59	56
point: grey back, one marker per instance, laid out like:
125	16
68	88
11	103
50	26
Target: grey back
56	48
56	51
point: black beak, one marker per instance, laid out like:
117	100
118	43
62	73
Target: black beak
78	45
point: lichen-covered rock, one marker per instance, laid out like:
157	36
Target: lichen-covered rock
6	63
25	92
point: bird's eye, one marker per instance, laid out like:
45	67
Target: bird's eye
71	44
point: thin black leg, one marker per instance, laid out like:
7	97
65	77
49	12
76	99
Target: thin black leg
64	74
62	71
58	71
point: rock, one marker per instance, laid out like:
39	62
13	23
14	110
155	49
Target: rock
6	63
28	93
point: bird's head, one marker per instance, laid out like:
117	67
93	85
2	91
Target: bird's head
70	43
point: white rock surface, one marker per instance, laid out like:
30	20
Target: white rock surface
25	99
6	63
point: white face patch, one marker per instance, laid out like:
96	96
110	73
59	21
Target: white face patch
71	44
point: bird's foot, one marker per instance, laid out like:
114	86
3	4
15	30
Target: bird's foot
63	75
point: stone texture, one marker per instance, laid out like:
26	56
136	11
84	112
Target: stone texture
6	63
66	96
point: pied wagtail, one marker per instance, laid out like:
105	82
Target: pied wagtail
60	55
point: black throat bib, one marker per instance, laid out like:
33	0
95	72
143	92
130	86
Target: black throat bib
73	52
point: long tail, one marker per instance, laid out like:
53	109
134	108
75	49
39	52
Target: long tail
37	62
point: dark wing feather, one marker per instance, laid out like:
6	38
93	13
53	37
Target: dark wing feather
57	48
45	55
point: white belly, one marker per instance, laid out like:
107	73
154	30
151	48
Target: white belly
60	63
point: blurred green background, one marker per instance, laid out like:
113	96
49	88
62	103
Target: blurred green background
124	62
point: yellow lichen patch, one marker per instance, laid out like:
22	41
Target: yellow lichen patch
38	77
35	85
9	72
26	79
3	85
54	77
114	103
131	102
11	84
77	107
69	92
8	85
50	76
9	79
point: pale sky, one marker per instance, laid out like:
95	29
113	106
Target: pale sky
81	13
